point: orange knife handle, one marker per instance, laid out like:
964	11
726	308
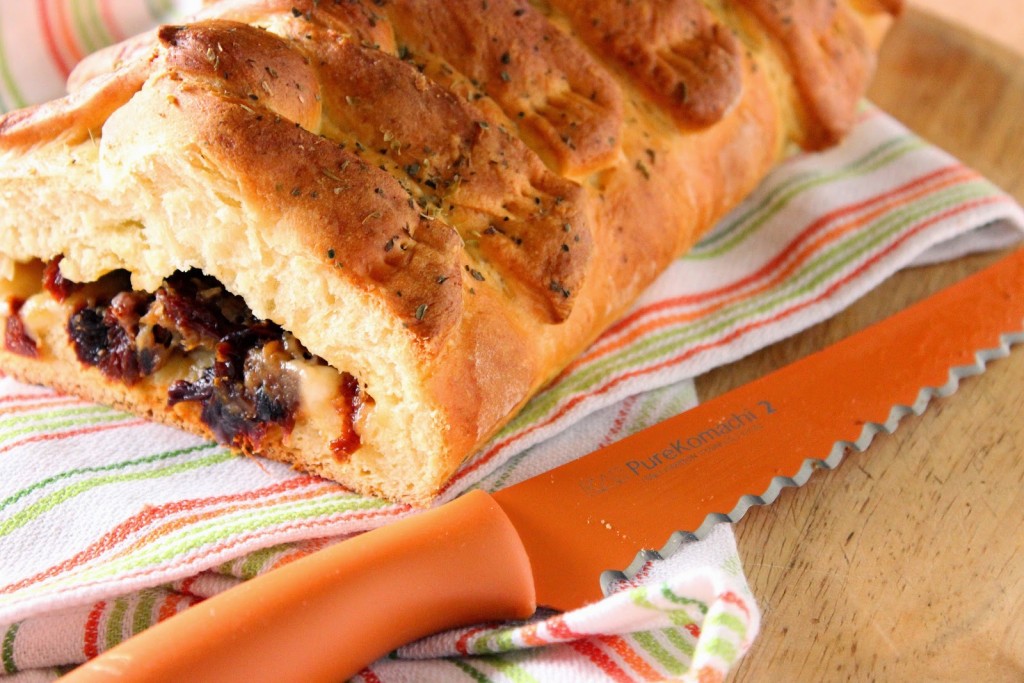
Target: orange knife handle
326	616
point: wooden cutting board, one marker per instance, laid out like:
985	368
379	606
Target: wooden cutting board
907	563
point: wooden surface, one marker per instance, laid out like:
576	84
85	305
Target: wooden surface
907	563
1001	21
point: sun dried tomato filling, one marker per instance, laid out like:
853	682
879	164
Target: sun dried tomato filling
238	370
16	338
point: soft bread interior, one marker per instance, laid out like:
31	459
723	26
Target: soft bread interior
120	201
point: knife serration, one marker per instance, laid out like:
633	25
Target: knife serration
646	495
840	449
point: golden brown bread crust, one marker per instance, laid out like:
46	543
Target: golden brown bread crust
458	160
408	260
76	117
677	51
565	102
828	53
449	200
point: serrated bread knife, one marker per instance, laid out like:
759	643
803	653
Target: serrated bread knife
549	540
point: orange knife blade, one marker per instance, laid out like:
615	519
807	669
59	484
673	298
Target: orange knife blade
549	539
713	461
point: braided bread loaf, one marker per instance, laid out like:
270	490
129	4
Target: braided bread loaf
357	235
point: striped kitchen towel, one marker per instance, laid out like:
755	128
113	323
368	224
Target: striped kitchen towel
109	523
